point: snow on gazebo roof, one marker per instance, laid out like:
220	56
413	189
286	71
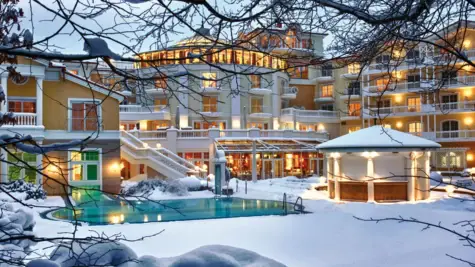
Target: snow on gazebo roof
377	138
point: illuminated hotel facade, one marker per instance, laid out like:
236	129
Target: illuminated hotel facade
267	115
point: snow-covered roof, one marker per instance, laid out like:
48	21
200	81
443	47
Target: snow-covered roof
377	138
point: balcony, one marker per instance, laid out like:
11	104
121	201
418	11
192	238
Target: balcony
382	112
397	87
460	81
455	106
205	90
138	112
153	91
351	93
262	112
260	91
324	97
325	76
289	93
210	110
448	136
308	116
350	115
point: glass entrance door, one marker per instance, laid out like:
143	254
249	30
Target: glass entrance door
267	169
278	167
316	166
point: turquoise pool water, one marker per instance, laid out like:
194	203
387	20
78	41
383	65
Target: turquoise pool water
101	210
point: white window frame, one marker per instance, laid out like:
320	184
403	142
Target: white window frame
85	182
22	99
83	100
22	166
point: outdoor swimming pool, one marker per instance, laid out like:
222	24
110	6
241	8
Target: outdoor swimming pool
109	211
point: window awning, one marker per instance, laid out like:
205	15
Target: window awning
263	145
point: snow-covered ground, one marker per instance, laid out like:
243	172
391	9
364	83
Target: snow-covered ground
329	236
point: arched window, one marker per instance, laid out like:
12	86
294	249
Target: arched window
450	129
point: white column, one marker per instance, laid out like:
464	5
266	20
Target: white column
254	162
426	182
370	174
183	96
39	100
3	166
328	172
4	106
276	102
336	175
236	103
39	166
411	178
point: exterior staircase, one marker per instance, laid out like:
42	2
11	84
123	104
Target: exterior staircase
161	160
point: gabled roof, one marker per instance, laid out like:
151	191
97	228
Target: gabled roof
81	80
93	85
377	138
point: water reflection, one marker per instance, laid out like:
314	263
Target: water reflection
110	211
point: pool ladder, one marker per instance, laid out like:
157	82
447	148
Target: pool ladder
297	207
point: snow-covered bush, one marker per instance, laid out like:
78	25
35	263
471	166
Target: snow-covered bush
179	187
117	254
15	224
192	183
176	187
29	190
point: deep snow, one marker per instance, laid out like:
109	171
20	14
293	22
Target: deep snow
329	236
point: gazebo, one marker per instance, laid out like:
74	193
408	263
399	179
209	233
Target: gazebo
378	164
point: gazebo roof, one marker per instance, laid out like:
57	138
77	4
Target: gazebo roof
377	138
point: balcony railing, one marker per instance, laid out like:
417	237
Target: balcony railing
459	134
290	90
375	111
309	113
452	106
189	134
23	119
259	109
143	109
458	81
352	91
392	87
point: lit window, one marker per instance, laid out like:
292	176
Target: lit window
353	129
354	109
326	90
257	105
255	81
84	166
209	79
354	68
210	104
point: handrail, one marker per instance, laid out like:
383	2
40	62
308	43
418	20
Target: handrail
301	204
137	144
284	203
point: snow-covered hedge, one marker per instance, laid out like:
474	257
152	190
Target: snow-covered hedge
118	254
14	224
178	187
22	190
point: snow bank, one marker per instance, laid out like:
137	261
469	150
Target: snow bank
118	254
20	190
16	226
